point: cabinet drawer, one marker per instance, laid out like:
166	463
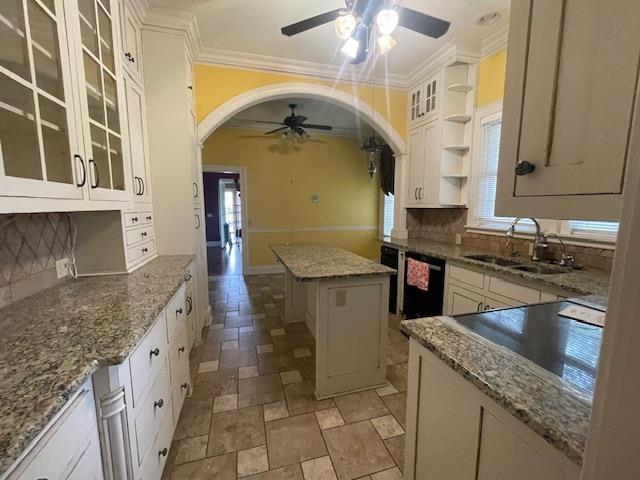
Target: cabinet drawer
139	235
147	358
132	219
513	290
179	367
176	312
146	217
156	405
140	252
57	450
151	468
475	279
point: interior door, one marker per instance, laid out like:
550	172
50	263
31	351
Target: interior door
138	148
416	164
40	154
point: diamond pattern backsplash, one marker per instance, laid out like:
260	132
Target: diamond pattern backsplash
30	244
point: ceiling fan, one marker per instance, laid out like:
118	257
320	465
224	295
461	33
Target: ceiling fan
295	124
356	22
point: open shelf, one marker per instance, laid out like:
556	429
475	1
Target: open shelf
460	87
456	148
454	175
458	118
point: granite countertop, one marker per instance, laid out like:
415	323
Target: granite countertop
581	282
53	341
313	261
549	405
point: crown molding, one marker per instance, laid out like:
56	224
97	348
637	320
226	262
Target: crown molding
178	22
450	52
243	124
265	63
495	43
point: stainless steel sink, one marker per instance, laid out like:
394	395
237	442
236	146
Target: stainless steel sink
492	259
539	269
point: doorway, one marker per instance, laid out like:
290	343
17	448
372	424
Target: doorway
224	220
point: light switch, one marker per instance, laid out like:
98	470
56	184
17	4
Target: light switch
341	298
315	198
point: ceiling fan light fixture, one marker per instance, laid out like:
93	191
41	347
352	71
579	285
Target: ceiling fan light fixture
345	25
387	21
350	47
386	43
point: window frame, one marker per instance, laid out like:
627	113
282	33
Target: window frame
381	210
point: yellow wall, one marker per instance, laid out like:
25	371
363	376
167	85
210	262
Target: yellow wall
280	183
491	77
216	85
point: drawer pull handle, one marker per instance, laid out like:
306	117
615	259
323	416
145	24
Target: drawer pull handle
158	403
134	219
144	234
149	218
185	385
179	311
187	277
181	349
145	250
155	351
163	452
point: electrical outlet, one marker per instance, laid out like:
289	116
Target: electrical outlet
531	249
63	267
458	239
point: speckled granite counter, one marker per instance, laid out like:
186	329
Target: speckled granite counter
581	282
308	261
53	341
556	409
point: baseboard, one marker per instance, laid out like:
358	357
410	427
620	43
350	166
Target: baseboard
265	269
214	244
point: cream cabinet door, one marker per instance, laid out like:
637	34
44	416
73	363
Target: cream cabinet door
460	300
138	148
416	105
570	100
429	194
416	164
131	43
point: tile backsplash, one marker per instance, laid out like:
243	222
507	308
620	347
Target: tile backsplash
442	225
30	244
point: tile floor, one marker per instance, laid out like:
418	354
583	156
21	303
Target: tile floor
252	413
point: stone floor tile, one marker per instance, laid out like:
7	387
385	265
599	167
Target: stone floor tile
294	439
254	339
291	472
252	461
216	326
276	362
244	330
329	418
248	372
397	404
222	467
307	367
230	345
318	469
239	321
211	366
210	352
390	474
302	399
397	375
275	410
215	384
189	449
267	348
395	445
387	426
356	450
291	376
388	390
360	406
267	323
225	403
194	419
278	331
239	357
398	352
259	390
301	352
236	430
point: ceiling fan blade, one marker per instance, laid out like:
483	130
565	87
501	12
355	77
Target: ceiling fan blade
276	130
267	122
422	23
300	131
317	127
310	23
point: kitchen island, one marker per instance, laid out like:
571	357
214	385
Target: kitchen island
344	300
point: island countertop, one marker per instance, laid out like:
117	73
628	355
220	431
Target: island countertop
314	261
53	341
557	406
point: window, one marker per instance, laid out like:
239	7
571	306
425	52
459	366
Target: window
387	215
601	230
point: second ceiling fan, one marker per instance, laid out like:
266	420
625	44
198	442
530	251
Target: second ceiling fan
356	22
295	124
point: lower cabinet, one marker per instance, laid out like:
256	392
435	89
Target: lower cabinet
454	431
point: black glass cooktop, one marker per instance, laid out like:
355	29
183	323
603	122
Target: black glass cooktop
568	348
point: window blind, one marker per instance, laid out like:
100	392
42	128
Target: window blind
387	215
488	173
600	229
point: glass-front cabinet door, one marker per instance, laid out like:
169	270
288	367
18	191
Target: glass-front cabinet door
40	152
100	98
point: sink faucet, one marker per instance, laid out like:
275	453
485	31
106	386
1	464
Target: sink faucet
565	260
539	242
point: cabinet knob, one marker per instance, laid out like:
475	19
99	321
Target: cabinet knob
149	217
179	311
181	349
145	250
524	168
158	403
155	351
163	452
134	219
184	385
144	234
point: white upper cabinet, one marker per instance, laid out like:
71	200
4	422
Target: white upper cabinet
40	154
131	43
138	147
569	108
423	101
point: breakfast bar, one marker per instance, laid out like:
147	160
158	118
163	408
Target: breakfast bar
344	300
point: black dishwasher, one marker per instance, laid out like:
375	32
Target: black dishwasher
419	303
389	258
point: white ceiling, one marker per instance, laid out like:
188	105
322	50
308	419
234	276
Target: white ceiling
317	111
253	27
